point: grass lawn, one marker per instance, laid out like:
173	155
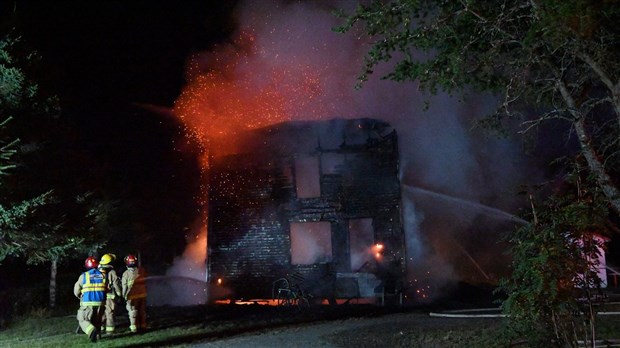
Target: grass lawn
169	326
178	326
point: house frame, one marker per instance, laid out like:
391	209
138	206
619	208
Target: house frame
321	200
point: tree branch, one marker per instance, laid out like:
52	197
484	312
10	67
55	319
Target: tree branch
614	89
594	163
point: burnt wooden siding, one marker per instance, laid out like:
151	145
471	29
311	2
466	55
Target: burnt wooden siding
253	200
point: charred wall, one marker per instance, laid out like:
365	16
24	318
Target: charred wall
254	198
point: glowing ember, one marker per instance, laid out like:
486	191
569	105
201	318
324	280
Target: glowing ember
378	250
252	83
232	89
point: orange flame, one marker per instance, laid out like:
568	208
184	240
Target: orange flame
378	249
240	87
237	94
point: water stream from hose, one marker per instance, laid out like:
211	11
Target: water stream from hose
489	211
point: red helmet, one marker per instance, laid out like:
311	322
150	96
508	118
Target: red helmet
131	260
90	262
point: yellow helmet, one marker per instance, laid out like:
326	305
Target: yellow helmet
107	259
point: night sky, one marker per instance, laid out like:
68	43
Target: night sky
109	63
109	54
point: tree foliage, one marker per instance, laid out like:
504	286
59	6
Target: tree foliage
41	219
555	262
544	59
15	91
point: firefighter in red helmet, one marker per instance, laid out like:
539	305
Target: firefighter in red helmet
134	292
90	288
90	262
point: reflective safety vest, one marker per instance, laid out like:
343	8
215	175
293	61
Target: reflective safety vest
93	288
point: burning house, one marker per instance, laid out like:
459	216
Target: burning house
321	200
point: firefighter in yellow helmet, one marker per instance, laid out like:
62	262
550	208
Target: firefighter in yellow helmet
114	292
90	288
134	292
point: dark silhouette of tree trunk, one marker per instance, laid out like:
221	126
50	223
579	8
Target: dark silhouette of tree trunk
53	273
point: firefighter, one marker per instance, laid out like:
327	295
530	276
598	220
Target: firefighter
134	292
90	288
113	292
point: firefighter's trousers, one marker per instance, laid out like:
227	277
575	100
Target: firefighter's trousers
136	310
89	318
109	316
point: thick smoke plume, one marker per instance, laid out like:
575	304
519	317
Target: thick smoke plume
285	63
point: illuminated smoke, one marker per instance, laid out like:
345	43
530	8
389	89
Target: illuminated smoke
191	263
185	283
285	63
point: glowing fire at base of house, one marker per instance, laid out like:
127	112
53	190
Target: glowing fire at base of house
276	303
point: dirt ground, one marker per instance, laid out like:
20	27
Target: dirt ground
355	327
384	331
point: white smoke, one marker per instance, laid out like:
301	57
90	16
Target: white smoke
185	282
296	54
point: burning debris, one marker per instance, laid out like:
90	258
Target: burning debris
318	199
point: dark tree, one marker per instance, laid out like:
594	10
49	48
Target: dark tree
560	58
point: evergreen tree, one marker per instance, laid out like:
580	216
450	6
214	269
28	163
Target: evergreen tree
48	212
15	92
